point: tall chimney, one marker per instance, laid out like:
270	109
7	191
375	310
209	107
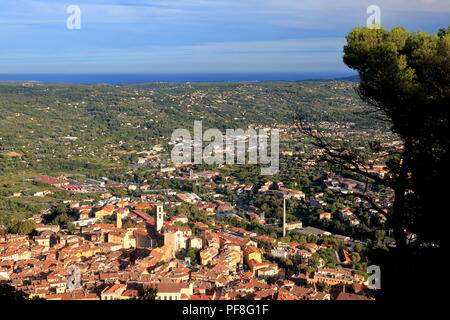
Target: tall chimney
284	216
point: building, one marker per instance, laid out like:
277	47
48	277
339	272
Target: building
332	277
44	227
313	231
174	291
207	255
251	255
174	241
180	218
325	216
51	181
122	238
279	253
107	210
294	225
114	292
351	296
195	242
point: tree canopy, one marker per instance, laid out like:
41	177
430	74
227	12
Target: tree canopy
406	77
405	80
147	293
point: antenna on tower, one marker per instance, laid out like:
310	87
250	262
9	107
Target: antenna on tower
285	196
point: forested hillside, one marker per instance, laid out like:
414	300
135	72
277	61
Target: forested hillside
70	127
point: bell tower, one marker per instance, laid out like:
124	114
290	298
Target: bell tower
118	220
159	217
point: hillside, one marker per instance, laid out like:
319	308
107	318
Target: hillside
98	130
105	121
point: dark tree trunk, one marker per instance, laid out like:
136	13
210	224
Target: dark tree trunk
400	207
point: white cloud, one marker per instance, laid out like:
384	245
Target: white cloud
248	56
316	14
327	14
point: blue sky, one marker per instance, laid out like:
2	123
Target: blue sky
190	36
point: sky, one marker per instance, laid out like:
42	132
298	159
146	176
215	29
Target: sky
194	36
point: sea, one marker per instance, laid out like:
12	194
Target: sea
121	79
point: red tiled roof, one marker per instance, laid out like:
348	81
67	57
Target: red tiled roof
182	196
200	297
351	296
48	180
114	288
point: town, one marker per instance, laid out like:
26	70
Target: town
184	247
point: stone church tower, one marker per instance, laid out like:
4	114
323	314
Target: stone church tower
159	217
